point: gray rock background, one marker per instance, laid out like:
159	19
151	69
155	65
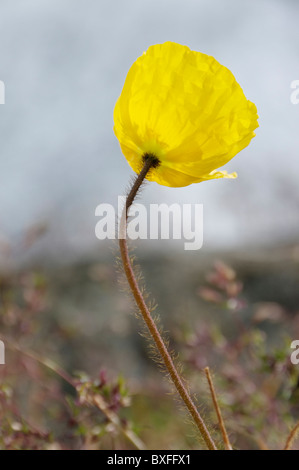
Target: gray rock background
64	64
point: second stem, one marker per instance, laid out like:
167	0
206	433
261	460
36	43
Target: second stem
150	162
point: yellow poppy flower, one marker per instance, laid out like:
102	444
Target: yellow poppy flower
187	110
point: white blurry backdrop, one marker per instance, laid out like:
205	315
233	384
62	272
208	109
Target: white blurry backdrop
64	63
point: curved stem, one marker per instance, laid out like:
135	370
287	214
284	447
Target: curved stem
291	437
218	412
149	162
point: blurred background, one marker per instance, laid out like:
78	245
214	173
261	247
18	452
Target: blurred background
64	64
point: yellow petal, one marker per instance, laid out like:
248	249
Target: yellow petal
185	108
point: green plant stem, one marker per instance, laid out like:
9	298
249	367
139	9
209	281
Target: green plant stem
149	162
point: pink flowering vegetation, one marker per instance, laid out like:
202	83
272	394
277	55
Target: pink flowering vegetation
46	404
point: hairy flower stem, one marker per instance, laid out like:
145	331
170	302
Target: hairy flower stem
150	162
